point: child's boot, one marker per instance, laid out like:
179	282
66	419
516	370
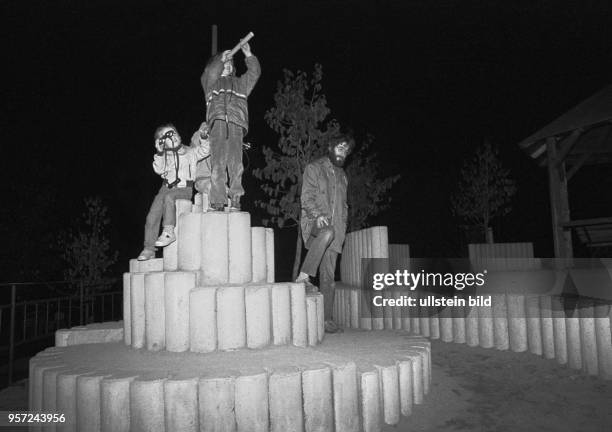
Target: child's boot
146	255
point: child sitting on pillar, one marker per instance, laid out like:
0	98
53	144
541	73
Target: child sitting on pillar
176	164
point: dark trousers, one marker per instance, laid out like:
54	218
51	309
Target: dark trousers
225	157
322	257
163	207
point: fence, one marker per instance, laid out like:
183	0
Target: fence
25	319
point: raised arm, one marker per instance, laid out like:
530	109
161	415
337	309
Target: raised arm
253	69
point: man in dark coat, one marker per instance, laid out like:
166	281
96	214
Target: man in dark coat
324	218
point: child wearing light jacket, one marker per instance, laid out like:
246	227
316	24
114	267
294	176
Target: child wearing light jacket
176	164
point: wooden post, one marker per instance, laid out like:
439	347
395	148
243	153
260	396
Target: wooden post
559	203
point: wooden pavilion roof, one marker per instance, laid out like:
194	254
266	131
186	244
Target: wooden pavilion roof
587	127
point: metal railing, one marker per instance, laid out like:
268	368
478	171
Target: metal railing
33	316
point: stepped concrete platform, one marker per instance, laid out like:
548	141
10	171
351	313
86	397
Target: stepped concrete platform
352	381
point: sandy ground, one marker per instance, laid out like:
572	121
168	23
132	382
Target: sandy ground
475	389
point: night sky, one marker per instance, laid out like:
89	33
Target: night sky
88	82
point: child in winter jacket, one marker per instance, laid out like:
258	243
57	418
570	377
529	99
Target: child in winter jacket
176	164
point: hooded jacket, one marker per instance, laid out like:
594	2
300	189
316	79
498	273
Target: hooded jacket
324	189
226	97
185	159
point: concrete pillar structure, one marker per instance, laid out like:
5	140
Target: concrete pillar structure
127	316
574	349
446	324
500	322
548	338
311	320
137	310
559	329
486	336
258	316
259	255
189	242
299	328
603	336
67	398
389	380
115	402
281	314
181	403
318	403
155	311
176	298
371	410
171	251
285	396
458	314
203	319
320	316
346	403
147	403
231	317
471	326
587	337
270	272
216	404
239	247
517	322
534	325
406	386
251	403
215	248
89	401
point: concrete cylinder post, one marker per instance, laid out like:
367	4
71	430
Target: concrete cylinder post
389	380
346	403
370	401
49	401
471	326
559	329
317	393
151	265
216	404
258	316
171	251
176	298
66	402
181	403
203	319
311	319
189	242
434	325
417	378
89	401
397	311
215	248
251	404
281	314
603	336
285	389
500	322
155	311
446	324
548	337
355	299
459	332
147	403
37	366
127	316
574	348
270	272
486	336
534	325
231	317
517	323
320	316
588	338
387	294
239	247
299	328
259	255
137	310
424	321
406	386
115	402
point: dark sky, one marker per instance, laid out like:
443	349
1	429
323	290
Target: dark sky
88	82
